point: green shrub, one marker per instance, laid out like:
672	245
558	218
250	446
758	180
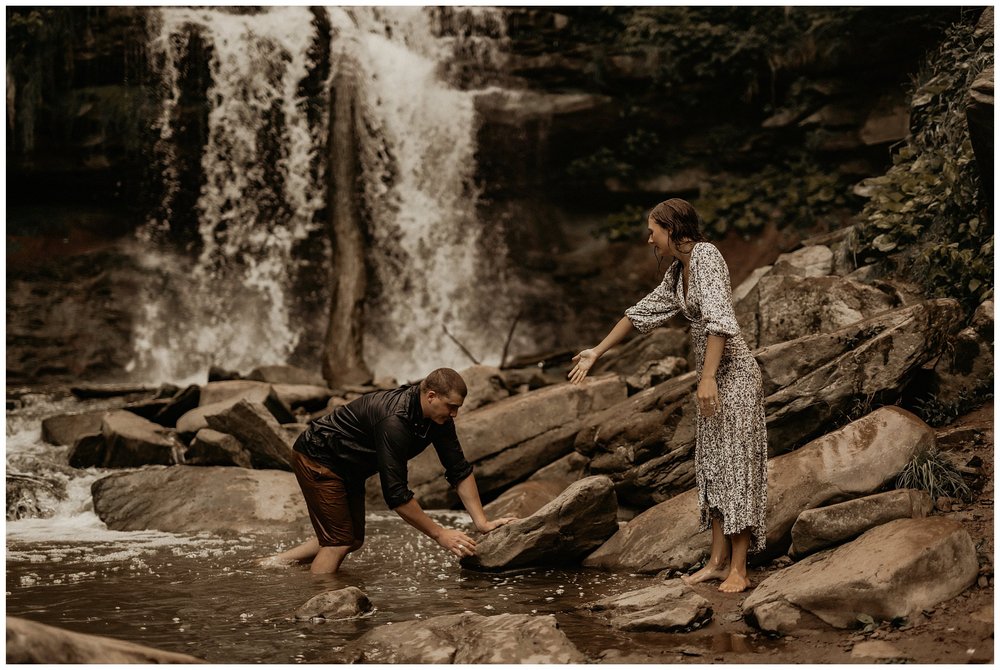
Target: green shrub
925	217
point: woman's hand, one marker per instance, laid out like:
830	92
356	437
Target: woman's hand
496	523
708	396
584	361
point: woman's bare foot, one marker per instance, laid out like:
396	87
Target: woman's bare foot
708	572
735	583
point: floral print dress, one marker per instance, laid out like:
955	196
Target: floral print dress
731	446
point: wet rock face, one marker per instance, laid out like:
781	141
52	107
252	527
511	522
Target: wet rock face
822	527
577	521
856	460
669	607
524	499
891	571
266	444
64	429
469	638
346	603
30	642
186	498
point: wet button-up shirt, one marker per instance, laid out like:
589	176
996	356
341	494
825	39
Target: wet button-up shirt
379	433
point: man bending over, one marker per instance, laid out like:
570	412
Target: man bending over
378	433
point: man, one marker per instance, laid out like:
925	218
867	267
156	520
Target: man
378	433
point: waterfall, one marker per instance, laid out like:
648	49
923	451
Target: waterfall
230	299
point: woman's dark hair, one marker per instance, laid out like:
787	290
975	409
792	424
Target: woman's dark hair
680	219
443	381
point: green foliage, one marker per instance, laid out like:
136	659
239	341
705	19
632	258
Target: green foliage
796	194
932	472
936	412
623	225
639	150
926	212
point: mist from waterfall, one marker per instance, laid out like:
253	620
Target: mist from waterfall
233	302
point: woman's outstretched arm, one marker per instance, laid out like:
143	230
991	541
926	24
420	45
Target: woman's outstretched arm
586	358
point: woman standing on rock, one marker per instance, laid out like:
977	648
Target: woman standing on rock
731	447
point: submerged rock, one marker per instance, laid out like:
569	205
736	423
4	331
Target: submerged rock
346	603
891	571
469	638
859	458
186	498
669	606
31	642
822	527
578	520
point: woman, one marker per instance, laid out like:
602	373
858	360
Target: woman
731	446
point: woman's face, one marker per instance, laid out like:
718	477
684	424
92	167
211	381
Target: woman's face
660	239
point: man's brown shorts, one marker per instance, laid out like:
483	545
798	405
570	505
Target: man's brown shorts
337	511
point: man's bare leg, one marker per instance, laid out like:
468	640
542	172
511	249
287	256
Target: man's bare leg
328	559
737	579
718	560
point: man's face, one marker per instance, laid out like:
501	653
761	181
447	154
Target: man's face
441	408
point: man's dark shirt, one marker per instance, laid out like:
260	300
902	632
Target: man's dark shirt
380	432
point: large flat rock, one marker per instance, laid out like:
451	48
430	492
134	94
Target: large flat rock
670	606
469	638
894	570
185	498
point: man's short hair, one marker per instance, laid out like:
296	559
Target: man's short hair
443	381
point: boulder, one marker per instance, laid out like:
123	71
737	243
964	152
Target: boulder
853	461
128	441
190	499
210	447
218	396
485	384
286	374
32	642
29	496
181	403
261	436
646	442
630	358
64	429
656	372
86	451
893	570
524	499
308	397
669	606
822	527
347	603
511	439
791	306
469	638
876	650
966	369
810	261
581	518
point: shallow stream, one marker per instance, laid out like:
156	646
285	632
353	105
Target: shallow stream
203	595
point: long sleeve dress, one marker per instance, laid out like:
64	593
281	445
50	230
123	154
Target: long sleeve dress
731	446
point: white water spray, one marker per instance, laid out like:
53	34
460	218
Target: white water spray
233	304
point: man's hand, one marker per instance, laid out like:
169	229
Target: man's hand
457	542
496	523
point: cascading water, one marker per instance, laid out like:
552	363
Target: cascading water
234	304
